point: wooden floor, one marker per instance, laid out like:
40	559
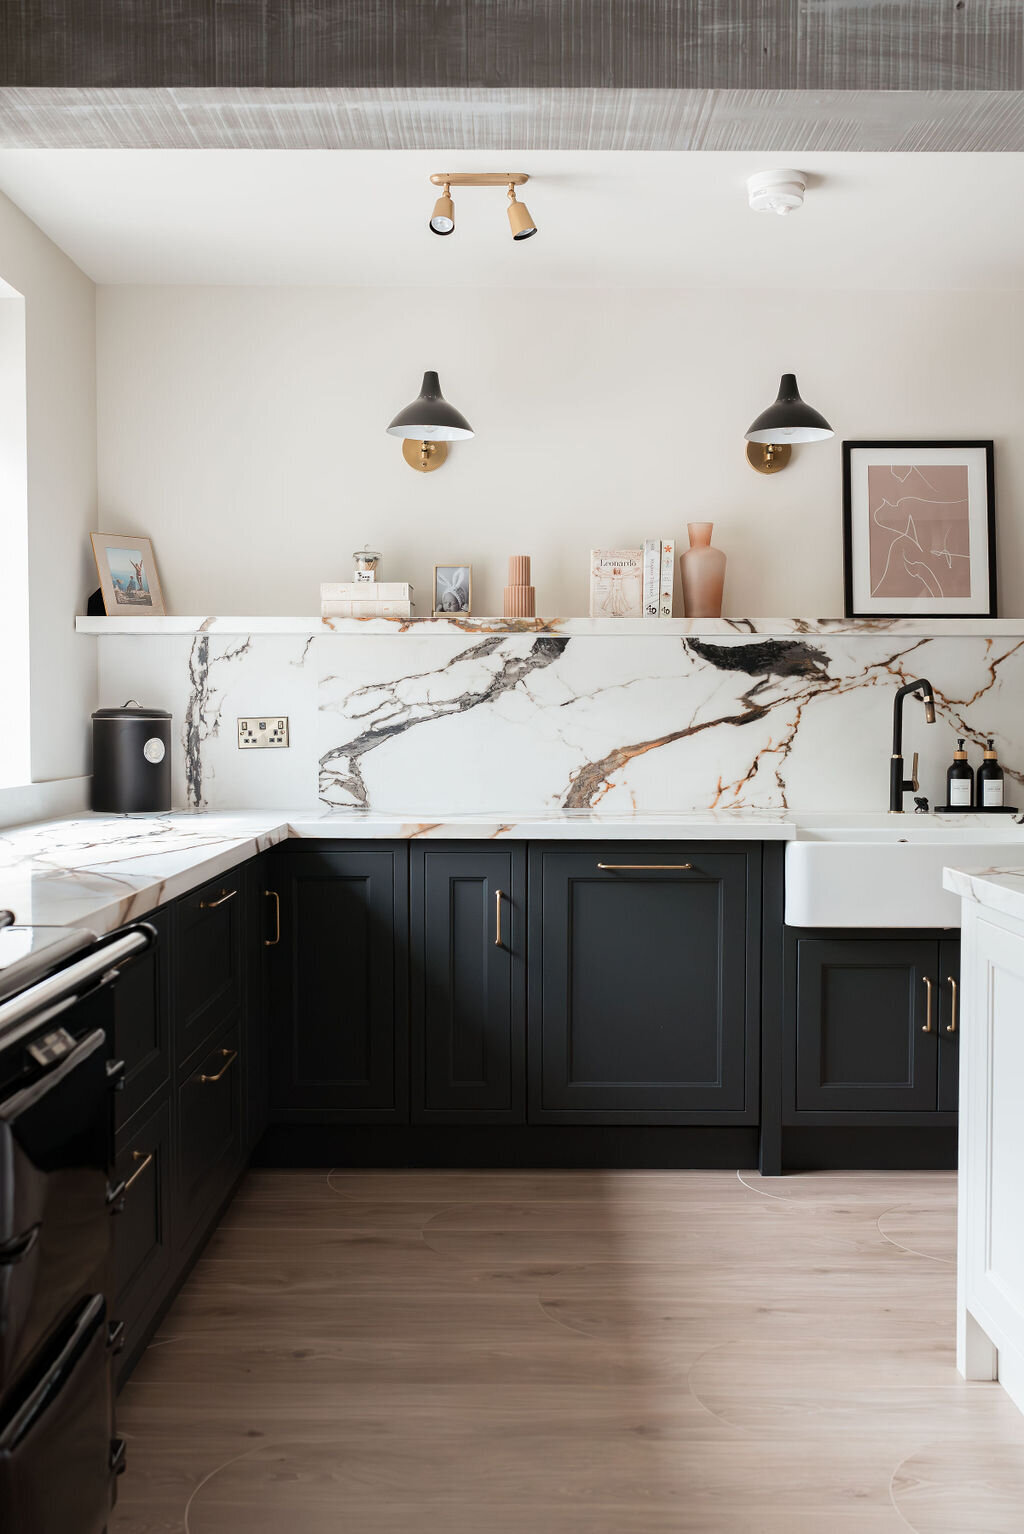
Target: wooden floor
594	1352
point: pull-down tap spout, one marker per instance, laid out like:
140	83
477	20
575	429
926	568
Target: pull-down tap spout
898	785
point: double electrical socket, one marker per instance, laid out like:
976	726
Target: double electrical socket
257	733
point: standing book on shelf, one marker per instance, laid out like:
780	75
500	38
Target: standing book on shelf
652	577
668	577
616	583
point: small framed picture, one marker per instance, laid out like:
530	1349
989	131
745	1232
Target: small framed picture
453	590
128	578
919	530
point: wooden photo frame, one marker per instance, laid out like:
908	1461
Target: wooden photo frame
919	531
128	576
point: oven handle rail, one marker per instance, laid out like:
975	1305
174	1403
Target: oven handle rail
98	968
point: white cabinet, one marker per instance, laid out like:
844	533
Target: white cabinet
990	1277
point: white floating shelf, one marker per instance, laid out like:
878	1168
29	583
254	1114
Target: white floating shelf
614	628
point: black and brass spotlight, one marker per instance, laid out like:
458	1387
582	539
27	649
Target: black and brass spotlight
427	426
788	420
521	223
442	220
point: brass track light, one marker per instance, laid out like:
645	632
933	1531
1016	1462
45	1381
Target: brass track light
442	220
520	222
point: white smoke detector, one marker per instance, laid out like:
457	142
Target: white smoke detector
776	191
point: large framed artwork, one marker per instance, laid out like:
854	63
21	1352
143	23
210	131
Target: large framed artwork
919	533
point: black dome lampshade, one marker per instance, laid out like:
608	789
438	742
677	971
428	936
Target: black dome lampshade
789	419
430	418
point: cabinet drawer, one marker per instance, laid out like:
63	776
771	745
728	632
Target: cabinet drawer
209	1130
141	1022
208	959
142	1231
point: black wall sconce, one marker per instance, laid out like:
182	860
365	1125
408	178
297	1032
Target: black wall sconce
427	426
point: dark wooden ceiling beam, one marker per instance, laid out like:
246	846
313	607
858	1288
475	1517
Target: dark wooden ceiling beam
765	45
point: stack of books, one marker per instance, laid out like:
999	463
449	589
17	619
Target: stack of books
365	599
633	583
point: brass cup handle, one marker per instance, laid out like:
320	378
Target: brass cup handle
211	905
613	867
143	1159
498	895
230	1056
928	1025
272	942
954	990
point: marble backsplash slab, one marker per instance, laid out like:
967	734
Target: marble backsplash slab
528	723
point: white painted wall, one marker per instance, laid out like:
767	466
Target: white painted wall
243	429
61	479
15	693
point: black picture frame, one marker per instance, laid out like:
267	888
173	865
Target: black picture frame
901	447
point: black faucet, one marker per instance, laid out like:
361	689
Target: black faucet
898	784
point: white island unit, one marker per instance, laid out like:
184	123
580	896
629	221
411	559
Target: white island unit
990	1257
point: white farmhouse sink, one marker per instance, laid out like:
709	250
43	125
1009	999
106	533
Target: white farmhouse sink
857	875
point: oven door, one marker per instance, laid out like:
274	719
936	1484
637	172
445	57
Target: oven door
56	1459
55	1233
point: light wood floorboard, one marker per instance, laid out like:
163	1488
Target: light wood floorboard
570	1353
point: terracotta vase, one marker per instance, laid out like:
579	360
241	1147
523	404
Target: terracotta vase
702	573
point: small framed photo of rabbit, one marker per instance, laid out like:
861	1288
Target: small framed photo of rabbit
128	578
453	590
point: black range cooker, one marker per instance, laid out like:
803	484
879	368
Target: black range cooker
59	1456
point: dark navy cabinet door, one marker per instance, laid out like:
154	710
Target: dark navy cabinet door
468	990
865	1037
338	1020
644	983
949	1025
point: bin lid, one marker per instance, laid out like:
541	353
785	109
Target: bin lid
131	710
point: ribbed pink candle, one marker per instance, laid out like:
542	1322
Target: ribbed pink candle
520	596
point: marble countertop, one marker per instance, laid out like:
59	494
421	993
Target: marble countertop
1001	889
101	871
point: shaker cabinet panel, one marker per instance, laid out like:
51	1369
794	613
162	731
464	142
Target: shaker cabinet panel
143	1250
209	964
468	930
142	1021
867	1023
209	1129
644	983
949	1025
338	984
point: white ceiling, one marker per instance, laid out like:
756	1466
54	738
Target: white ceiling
605	219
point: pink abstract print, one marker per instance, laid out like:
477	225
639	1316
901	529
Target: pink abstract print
920	543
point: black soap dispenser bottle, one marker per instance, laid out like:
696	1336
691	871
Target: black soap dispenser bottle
990	781
960	781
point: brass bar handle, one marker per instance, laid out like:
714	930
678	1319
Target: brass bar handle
914	784
211	905
927	1026
272	942
143	1160
230	1056
612	867
498	894
954	992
